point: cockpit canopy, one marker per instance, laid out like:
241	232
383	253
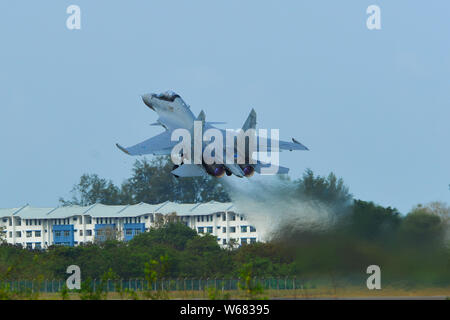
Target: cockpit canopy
167	96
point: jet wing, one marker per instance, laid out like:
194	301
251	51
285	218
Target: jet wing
158	145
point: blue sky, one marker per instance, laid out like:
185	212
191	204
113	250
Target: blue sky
372	106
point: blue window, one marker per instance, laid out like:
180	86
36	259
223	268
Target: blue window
132	229
63	234
200	229
209	229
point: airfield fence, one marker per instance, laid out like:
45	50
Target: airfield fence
139	284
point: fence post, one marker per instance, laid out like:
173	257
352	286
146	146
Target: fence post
295	291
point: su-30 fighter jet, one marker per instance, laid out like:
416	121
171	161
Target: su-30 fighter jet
175	114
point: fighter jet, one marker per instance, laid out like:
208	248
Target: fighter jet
173	114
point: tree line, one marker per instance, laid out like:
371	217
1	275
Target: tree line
410	248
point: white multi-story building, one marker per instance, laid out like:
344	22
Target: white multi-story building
39	228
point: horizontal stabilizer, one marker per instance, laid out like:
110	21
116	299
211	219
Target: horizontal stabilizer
282	145
274	170
188	170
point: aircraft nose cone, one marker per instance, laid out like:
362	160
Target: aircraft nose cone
147	98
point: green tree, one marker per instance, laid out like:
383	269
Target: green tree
153	182
247	283
93	189
422	227
155	271
371	221
2	235
329	190
174	234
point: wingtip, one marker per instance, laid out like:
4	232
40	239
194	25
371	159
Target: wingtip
122	148
297	142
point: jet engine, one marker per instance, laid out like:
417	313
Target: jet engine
215	170
248	170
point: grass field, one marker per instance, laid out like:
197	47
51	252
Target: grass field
316	293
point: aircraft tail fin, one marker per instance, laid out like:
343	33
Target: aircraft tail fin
201	116
250	123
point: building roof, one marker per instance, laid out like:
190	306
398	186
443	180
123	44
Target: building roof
212	207
138	209
101	210
117	211
7	212
28	212
66	212
181	209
